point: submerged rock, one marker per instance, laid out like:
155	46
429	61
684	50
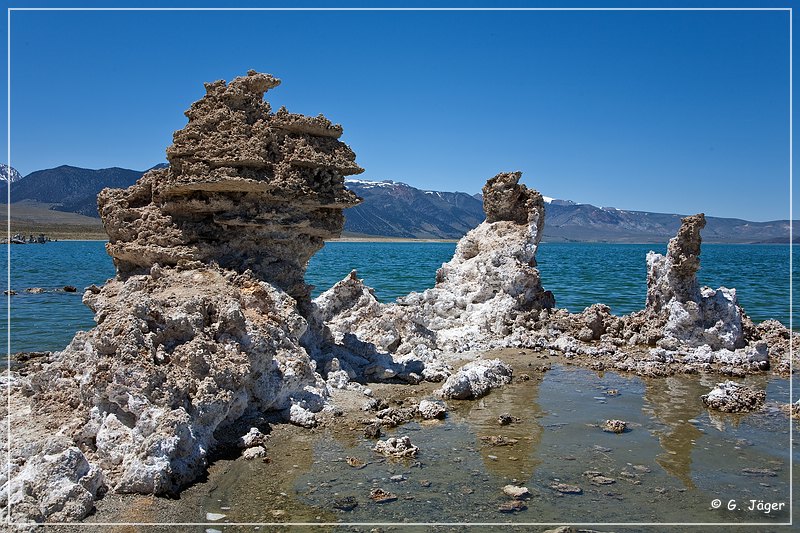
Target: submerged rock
565	488
732	397
505	419
513	506
207	322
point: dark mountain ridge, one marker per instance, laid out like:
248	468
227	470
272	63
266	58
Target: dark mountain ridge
395	209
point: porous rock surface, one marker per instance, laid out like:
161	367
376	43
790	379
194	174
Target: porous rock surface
480	296
430	409
476	379
396	447
732	397
202	331
245	188
689	316
490	296
683	328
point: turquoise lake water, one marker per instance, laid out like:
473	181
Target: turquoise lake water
579	274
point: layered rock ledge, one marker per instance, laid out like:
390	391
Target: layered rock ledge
246	189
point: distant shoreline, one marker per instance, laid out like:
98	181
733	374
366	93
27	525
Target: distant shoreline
379	239
92	236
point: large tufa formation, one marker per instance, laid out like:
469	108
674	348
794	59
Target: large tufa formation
492	277
199	335
245	188
674	277
488	286
692	316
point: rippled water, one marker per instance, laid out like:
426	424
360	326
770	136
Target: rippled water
579	274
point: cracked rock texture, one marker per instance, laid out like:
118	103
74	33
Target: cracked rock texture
202	331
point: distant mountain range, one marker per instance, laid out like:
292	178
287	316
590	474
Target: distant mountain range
395	209
9	174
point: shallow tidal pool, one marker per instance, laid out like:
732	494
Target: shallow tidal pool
670	466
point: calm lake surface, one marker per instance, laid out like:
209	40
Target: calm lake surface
676	459
579	274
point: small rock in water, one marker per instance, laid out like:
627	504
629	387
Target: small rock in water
499	440
596	478
425	483
612	392
759	472
382	496
347	503
731	397
70	288
372	431
514	506
506	419
355	462
35	290
476	379
615	426
516	492
10	292
398	478
431	409
215	516
396	447
563	488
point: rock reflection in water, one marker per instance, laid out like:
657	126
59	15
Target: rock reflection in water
673	401
667	468
501	456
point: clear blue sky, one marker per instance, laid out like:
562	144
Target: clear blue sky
658	111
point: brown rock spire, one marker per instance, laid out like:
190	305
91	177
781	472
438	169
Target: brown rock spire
246	188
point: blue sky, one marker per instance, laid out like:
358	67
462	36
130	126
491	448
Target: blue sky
680	111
